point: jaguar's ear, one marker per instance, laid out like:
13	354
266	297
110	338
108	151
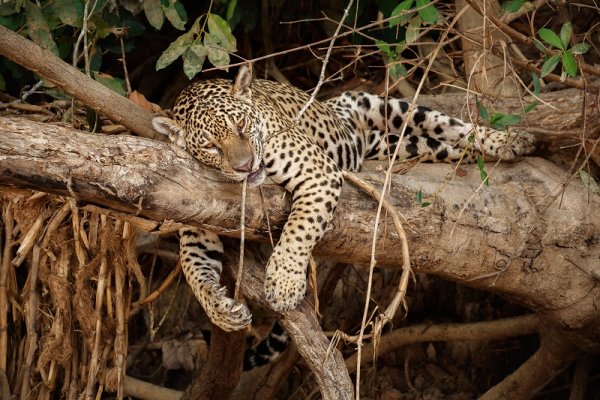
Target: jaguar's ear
241	86
171	129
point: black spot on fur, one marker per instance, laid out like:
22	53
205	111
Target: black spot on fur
214	255
434	144
412	149
366	103
419	116
442	155
382	110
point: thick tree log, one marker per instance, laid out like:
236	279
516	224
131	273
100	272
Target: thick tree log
527	236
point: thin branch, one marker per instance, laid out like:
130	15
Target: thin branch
315	91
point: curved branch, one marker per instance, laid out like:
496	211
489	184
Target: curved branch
554	355
476	331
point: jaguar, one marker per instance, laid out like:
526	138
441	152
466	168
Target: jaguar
250	129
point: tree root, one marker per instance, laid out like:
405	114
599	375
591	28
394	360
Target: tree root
554	354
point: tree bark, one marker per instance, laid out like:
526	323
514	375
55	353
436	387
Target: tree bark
223	368
485	72
528	236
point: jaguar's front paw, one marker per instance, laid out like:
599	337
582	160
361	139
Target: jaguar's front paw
225	312
284	291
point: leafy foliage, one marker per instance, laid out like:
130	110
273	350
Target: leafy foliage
196	45
566	54
411	14
56	26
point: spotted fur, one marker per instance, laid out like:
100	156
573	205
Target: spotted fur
247	130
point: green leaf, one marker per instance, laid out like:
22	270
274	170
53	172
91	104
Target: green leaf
579	48
589	182
69	12
550	64
174	17
530	106
154	13
397	70
420	200
565	34
413	29
384	48
399	12
429	13
230	10
483	111
535	79
100	26
193	59
134	28
501	121
538	44
218	27
551	38
175	49
14	22
482	173
180	10
38	28
114	84
512	6
569	64
216	54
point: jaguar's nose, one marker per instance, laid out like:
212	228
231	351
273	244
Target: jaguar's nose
244	166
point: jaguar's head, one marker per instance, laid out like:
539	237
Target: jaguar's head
216	122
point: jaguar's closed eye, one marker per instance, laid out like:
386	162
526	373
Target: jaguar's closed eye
241	124
209	146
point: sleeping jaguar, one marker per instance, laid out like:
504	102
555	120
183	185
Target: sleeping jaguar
249	129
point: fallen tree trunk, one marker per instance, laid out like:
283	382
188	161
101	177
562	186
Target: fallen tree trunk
528	236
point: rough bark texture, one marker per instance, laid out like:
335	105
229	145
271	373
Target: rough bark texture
303	326
224	360
526	236
485	71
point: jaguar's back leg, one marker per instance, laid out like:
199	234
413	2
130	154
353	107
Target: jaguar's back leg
380	147
375	113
